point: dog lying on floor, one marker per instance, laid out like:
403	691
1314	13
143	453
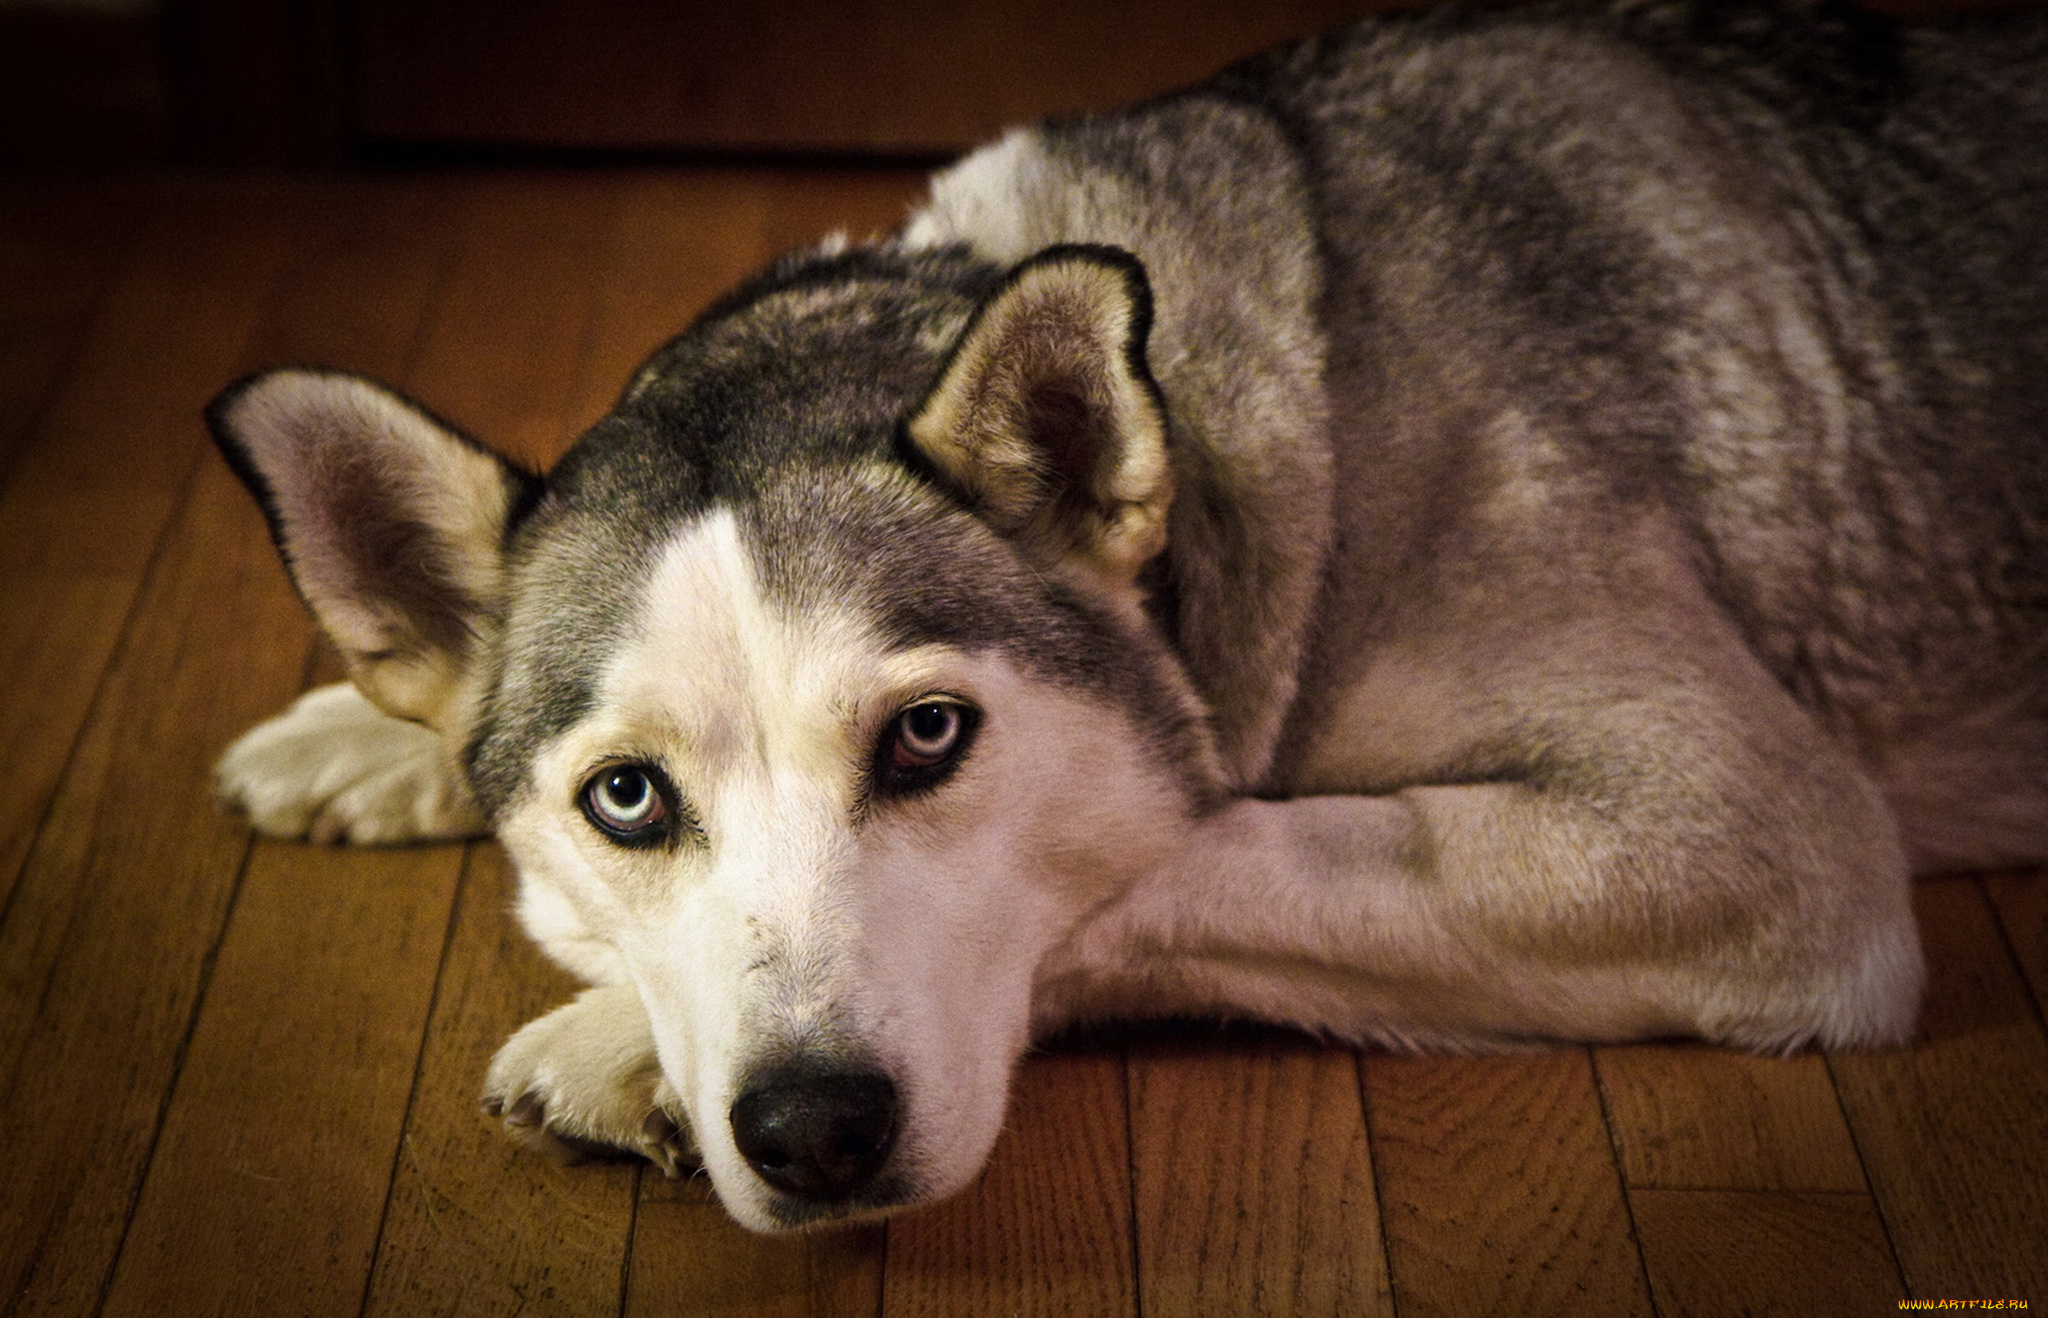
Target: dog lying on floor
1478	529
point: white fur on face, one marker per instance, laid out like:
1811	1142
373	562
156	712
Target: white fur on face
902	933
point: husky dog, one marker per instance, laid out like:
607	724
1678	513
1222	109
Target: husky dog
1478	529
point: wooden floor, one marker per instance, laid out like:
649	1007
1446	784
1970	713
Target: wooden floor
241	1078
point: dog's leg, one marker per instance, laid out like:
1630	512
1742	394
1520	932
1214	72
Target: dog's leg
335	768
584	1078
1488	915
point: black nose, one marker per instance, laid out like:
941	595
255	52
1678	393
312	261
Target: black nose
819	1134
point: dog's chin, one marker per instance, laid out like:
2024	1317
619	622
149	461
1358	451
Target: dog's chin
909	1182
759	1207
779	1213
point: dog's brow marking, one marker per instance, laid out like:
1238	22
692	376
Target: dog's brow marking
728	660
756	694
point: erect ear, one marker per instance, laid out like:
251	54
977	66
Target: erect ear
390	522
1046	419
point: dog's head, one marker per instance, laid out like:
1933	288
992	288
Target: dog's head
815	692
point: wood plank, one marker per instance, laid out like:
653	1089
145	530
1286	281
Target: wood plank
370	265
1954	1130
676	243
220	641
1693	1117
122	901
1714	1252
1047	1227
513	326
109	915
490	314
76	536
58	628
268	1183
2021	901
689	1257
1253	1180
1498	1188
475	1224
61	244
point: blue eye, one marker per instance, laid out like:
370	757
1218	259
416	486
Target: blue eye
629	802
924	743
927	734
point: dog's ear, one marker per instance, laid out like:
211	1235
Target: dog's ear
1046	419
390	522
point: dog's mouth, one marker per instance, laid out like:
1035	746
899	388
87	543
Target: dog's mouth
885	1195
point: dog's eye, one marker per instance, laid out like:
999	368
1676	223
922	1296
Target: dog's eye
927	734
630	802
924	743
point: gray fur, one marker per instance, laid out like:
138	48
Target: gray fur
1792	297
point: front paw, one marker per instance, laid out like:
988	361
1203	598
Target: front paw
584	1080
335	768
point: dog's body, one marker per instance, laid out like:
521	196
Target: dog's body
1478	529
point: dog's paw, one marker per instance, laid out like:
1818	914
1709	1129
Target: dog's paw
335	768
583	1080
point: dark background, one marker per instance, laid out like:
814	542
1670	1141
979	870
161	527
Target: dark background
341	81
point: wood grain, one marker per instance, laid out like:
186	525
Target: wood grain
690	1258
1705	1118
510	330
674	244
1498	1189
269	1181
1275	1128
1715	1252
1954	1130
76	535
1046	1229
364	276
61	246
122	902
120	898
2021	902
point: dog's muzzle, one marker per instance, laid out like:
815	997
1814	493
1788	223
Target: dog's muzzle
818	1134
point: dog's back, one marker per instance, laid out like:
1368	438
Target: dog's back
1801	295
1792	304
